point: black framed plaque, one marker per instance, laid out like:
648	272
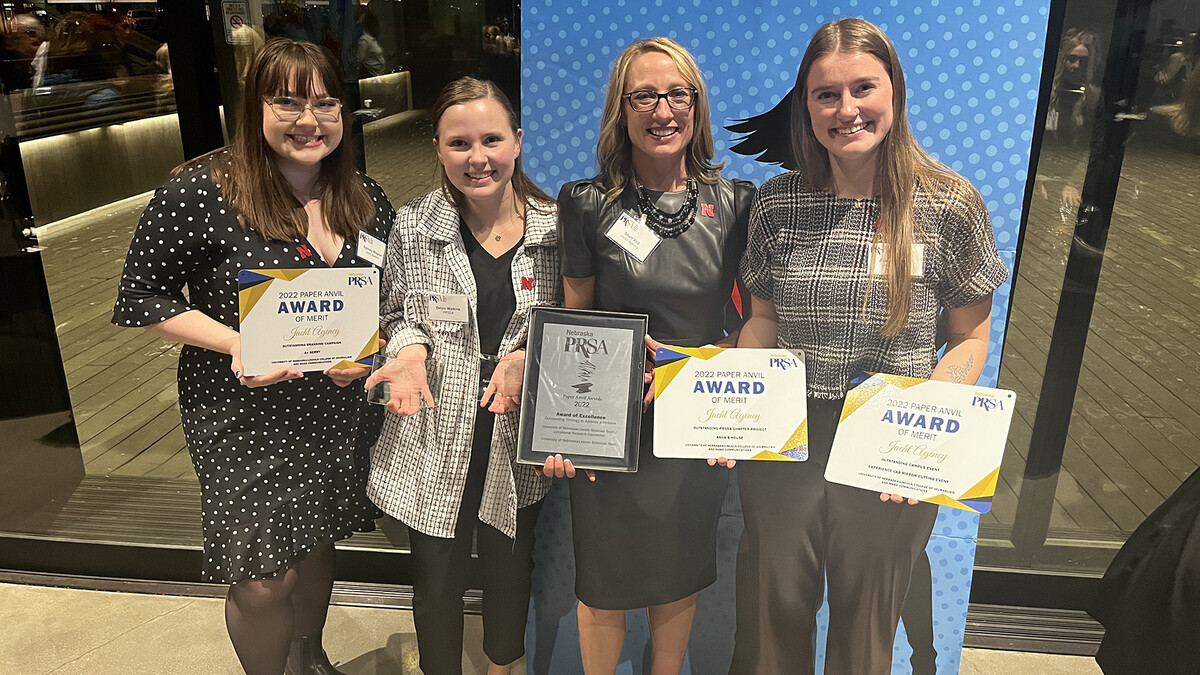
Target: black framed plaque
584	384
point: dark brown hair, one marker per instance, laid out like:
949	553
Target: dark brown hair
462	91
903	164
248	175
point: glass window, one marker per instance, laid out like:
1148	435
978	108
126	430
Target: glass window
1114	302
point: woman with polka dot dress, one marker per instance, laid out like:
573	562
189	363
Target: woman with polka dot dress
850	258
465	264
274	453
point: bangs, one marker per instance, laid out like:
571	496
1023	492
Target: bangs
295	69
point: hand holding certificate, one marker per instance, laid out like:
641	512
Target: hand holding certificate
308	319
582	399
733	403
929	440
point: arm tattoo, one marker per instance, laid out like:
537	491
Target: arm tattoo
959	373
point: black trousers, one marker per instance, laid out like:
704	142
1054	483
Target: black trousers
800	530
441	569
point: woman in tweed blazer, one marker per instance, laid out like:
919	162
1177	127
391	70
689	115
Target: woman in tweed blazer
465	263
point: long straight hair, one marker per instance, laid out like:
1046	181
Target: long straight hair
247	169
614	151
902	166
463	91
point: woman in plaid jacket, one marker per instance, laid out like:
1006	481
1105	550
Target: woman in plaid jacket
465	263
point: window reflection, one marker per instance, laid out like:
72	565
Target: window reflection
1130	441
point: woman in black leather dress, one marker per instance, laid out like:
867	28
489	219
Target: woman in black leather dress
648	539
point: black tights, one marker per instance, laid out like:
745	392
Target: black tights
263	615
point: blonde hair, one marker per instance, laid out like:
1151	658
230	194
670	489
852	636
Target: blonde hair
614	152
903	164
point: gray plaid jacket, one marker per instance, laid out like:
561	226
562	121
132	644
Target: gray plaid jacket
419	465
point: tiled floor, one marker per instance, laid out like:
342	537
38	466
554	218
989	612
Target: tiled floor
71	632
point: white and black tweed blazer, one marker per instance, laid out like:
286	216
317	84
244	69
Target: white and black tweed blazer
419	465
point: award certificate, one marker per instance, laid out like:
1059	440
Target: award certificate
735	403
308	319
934	441
584	374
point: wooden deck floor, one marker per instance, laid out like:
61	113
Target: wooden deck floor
1135	430
1135	424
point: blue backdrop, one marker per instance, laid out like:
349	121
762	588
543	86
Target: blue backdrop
972	72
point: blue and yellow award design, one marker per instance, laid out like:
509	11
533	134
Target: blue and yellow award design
735	403
934	441
308	319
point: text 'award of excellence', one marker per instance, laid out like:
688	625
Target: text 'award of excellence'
935	441
743	404
308	319
584	378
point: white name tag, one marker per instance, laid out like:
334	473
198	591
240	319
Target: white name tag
448	307
370	249
632	235
916	267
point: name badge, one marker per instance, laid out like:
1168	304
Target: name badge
632	235
448	307
916	266
370	249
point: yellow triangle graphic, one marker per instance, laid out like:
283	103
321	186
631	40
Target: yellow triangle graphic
773	456
798	438
859	395
984	488
371	347
864	392
664	374
702	353
943	500
899	380
249	297
286	275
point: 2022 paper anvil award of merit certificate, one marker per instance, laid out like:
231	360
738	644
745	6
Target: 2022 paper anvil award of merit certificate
308	319
736	403
934	441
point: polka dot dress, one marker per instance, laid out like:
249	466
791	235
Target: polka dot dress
277	465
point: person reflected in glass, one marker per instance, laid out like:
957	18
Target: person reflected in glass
648	539
23	36
1074	96
274	451
850	258
86	60
465	264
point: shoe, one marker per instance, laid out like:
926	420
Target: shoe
306	657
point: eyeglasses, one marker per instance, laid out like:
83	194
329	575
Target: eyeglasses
290	108
644	100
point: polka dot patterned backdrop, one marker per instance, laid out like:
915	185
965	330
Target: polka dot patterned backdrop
972	68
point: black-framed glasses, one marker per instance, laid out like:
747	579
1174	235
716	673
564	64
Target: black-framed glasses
290	108
645	100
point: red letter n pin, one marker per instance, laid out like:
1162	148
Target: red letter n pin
304	251
526	284
708	210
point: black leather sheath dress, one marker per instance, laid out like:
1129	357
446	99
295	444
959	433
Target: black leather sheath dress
649	538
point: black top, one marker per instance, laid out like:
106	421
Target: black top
495	297
684	284
649	537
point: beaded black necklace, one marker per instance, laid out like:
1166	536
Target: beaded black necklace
669	225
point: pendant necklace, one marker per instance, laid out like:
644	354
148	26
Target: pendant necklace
668	225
